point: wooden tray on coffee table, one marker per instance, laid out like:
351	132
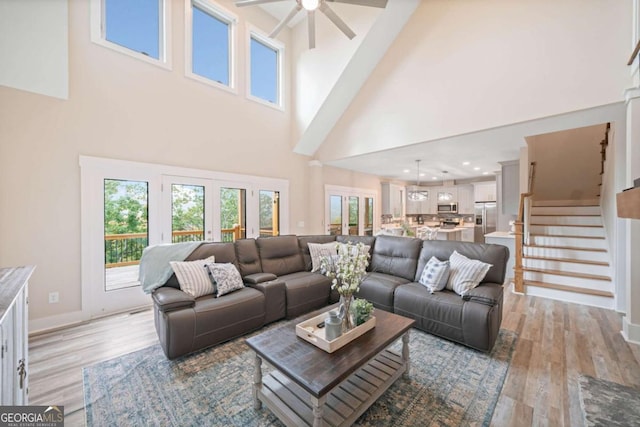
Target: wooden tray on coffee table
309	331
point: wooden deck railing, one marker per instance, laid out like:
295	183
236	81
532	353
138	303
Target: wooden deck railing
121	250
521	226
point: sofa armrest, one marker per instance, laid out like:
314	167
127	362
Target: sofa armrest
488	294
169	299
275	299
254	279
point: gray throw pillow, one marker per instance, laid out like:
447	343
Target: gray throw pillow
227	278
465	273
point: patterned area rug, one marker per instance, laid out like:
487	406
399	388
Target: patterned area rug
449	385
605	403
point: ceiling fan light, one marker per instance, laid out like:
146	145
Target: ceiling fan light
310	5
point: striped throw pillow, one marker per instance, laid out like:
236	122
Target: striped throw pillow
193	276
319	251
465	274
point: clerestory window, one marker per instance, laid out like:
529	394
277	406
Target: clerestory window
210	35
136	28
265	70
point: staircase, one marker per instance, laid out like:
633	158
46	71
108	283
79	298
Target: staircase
566	256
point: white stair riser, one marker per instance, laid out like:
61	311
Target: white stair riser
567	253
585	299
565	210
559	230
566	220
579	282
573	267
571	242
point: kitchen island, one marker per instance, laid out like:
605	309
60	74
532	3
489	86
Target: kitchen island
449	234
507	239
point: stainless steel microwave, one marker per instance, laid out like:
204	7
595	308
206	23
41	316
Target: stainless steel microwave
447	208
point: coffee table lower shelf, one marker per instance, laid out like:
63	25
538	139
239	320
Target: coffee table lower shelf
341	406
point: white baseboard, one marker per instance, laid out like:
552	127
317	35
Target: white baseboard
45	324
630	331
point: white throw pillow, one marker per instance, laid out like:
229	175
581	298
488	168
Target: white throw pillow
319	251
465	273
193	276
227	278
435	275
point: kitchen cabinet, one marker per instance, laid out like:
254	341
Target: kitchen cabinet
467	234
419	207
14	335
466	199
485	191
393	199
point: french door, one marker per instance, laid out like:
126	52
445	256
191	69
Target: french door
349	211
127	206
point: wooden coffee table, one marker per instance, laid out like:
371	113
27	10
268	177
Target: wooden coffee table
309	386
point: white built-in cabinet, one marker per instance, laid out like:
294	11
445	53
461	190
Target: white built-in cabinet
393	199
422	206
14	360
485	191
466	200
467	234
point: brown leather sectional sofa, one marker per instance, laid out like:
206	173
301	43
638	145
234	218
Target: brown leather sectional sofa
280	284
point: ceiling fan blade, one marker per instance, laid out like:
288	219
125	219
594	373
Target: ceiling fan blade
285	21
240	3
311	18
372	3
324	8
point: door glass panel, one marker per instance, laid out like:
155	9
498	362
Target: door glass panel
354	217
368	216
187	213
126	231
335	215
233	214
269	213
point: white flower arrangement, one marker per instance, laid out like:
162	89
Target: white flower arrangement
348	268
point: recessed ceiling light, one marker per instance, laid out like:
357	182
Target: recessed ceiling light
422	174
476	168
406	171
485	173
466	163
435	177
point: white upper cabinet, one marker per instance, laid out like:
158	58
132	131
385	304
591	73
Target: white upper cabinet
485	191
466	199
393	199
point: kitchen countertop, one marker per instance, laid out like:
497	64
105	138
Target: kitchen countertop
501	234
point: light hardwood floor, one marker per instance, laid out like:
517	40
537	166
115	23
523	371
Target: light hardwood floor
556	342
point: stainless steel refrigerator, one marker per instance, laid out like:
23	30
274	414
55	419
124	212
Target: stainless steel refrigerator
486	219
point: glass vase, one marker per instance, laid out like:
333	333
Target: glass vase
345	312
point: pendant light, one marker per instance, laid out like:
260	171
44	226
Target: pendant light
415	194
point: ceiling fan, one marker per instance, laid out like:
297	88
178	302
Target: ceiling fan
311	6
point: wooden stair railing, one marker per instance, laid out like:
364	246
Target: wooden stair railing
635	53
520	223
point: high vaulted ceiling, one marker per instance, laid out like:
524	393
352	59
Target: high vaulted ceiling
420	102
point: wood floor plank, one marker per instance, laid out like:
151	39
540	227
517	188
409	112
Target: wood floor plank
557	342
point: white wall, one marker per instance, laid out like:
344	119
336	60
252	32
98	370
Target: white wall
315	71
34	46
570	157
463	66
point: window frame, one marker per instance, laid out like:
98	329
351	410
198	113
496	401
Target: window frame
98	34
254	33
224	15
